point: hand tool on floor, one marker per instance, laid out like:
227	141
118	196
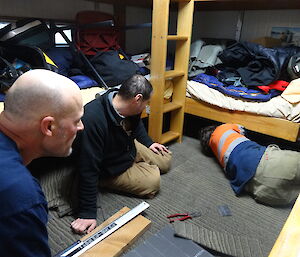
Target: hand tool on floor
183	216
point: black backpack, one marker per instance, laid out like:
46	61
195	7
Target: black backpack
112	68
16	60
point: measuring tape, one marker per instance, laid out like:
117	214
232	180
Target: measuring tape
80	247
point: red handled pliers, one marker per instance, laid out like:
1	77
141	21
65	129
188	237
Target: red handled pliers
182	216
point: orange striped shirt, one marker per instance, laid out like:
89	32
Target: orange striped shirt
224	139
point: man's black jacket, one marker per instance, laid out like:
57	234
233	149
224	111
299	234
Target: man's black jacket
104	149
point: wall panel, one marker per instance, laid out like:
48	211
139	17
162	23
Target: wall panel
260	23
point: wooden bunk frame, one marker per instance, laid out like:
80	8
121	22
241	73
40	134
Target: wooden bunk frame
275	127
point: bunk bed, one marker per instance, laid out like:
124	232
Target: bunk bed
276	127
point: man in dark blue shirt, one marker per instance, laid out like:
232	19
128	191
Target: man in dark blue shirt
42	114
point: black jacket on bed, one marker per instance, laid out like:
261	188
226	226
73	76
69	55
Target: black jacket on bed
258	65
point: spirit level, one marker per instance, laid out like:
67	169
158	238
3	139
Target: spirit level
80	247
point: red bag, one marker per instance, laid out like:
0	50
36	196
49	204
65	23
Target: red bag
96	38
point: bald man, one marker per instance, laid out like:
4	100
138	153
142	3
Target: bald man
42	114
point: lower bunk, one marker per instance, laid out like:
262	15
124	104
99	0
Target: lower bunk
275	127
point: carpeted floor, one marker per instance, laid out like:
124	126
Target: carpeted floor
195	183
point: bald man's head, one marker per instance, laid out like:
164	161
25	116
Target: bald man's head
39	92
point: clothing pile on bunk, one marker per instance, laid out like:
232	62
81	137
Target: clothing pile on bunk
242	69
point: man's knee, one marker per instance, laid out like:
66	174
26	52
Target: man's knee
164	164
142	180
151	185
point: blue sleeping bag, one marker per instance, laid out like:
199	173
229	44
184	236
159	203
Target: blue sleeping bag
236	91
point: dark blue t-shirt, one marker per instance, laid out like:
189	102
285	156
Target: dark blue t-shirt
242	164
23	208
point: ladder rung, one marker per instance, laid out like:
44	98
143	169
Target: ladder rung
186	0
175	37
173	74
169	136
171	107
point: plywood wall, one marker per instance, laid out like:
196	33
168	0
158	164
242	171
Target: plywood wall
222	24
259	23
138	40
214	24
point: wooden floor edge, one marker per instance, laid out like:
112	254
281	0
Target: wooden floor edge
288	241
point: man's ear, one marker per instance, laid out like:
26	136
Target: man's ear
47	125
138	97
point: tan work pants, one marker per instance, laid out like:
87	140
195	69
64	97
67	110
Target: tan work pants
277	178
143	177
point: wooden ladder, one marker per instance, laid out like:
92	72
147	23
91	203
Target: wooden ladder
159	75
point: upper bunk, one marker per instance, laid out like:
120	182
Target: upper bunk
218	4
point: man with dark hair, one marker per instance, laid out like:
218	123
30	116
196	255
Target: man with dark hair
136	85
42	114
270	174
116	149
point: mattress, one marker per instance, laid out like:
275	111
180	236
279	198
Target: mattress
277	107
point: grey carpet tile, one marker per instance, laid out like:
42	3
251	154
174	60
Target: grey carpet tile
195	183
221	242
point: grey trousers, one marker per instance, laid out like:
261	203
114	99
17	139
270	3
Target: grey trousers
277	178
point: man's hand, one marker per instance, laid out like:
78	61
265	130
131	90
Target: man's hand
81	226
158	148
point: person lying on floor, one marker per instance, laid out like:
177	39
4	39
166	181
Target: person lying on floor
116	149
269	174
